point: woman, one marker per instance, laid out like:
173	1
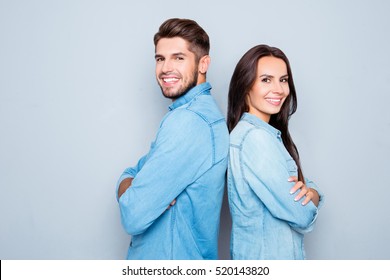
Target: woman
270	213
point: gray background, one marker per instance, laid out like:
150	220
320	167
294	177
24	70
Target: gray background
79	103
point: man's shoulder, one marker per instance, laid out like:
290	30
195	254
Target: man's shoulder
205	107
195	119
188	117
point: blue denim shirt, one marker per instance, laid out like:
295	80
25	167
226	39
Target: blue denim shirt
187	162
266	221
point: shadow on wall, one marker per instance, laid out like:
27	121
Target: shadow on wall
224	230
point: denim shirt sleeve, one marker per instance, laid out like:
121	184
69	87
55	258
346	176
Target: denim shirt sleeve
179	155
130	172
266	168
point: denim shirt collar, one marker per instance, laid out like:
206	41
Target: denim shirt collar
203	88
260	123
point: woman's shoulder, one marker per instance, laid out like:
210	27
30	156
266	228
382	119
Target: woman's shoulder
246	133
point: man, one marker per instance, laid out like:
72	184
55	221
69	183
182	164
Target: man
170	201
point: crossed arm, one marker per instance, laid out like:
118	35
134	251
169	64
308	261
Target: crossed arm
311	194
126	183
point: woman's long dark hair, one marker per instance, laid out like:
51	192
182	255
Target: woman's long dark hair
244	77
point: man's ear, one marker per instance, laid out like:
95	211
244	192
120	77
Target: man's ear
204	63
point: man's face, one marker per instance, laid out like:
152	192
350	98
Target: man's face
176	67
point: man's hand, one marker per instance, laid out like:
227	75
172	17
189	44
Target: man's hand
309	193
124	185
171	204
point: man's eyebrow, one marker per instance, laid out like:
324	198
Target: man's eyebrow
179	53
173	54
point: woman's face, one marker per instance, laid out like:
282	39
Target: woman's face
270	89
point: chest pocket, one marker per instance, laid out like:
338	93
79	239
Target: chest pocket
292	167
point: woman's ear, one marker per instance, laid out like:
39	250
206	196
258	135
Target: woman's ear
204	63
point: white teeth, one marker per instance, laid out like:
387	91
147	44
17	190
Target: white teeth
169	80
274	100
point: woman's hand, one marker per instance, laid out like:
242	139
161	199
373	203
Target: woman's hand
309	193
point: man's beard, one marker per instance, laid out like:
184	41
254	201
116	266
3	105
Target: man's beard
183	90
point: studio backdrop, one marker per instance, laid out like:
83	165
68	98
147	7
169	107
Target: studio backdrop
79	103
